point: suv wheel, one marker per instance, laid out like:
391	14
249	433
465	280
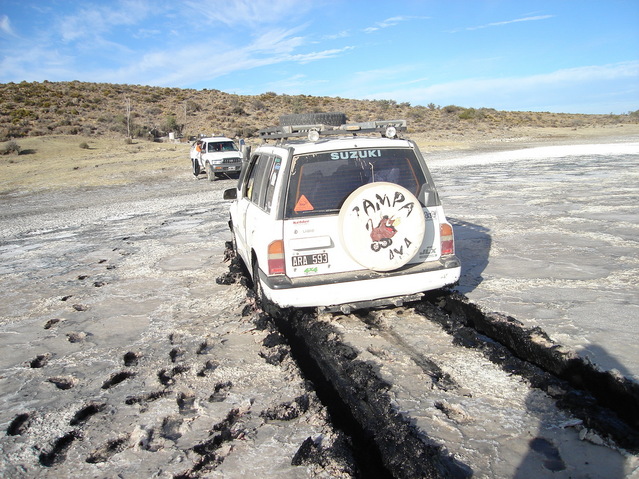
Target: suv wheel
209	172
196	166
262	301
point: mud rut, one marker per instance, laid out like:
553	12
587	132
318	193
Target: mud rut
371	368
438	389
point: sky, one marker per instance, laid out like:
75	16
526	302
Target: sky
564	56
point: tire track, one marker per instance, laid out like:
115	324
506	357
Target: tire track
442	399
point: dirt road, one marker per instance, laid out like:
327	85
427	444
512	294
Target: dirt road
127	357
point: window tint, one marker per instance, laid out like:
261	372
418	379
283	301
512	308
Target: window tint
321	182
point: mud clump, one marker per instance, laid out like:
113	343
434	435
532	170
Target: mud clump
288	410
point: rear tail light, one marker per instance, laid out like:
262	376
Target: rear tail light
446	239
276	258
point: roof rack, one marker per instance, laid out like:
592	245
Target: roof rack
388	128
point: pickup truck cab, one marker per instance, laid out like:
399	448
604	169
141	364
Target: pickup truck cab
216	156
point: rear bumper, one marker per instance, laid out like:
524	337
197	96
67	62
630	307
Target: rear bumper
332	290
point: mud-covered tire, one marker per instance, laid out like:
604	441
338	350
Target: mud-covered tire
209	172
262	301
381	226
195	165
233	238
330	119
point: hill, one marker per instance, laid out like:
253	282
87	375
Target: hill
100	109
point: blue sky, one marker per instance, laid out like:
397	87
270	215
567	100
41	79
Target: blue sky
572	56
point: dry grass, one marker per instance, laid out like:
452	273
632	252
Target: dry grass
54	162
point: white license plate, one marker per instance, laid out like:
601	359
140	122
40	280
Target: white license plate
309	259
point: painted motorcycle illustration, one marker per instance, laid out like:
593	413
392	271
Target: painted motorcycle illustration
381	234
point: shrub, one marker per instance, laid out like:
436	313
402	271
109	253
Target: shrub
171	123
11	147
452	108
467	114
84	145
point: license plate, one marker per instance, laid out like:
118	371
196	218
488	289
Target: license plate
306	259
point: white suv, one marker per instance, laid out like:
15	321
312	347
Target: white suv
340	221
216	156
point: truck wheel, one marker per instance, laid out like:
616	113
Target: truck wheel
209	172
196	167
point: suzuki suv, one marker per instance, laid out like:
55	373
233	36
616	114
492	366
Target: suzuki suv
340	218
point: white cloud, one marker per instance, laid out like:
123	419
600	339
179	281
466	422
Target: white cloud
246	12
94	21
5	26
209	60
315	56
391	22
531	92
196	58
336	36
507	22
275	41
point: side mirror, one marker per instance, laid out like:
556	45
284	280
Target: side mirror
230	194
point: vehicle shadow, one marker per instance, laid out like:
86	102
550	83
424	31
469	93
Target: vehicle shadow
548	454
472	246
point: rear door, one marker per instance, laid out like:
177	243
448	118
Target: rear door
318	239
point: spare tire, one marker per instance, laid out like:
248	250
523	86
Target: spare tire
381	226
330	119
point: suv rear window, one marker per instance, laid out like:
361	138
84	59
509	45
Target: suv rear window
320	182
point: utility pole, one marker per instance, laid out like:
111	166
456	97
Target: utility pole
185	106
128	117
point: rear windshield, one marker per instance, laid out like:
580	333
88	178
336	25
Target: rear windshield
321	182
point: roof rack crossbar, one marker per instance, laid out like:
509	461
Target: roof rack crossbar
293	131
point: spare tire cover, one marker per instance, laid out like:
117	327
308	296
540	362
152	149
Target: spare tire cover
381	226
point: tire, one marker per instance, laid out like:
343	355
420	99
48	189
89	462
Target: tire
262	301
257	286
386	237
234	241
330	119
196	167
209	172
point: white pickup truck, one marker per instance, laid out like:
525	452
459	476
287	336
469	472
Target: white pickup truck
216	156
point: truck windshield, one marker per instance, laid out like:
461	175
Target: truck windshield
321	182
221	146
